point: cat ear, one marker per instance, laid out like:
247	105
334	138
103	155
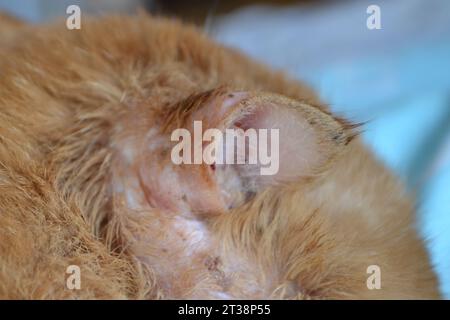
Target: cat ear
303	138
266	139
282	140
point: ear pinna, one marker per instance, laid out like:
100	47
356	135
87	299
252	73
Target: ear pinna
234	144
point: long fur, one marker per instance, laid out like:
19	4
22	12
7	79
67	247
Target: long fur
68	96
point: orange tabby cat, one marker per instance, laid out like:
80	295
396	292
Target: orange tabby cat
86	176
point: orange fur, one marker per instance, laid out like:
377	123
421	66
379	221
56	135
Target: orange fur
71	100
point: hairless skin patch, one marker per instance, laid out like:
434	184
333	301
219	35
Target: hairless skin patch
234	146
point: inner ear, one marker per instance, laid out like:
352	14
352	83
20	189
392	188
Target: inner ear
308	137
300	141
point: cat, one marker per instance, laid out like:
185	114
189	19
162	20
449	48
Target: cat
86	176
